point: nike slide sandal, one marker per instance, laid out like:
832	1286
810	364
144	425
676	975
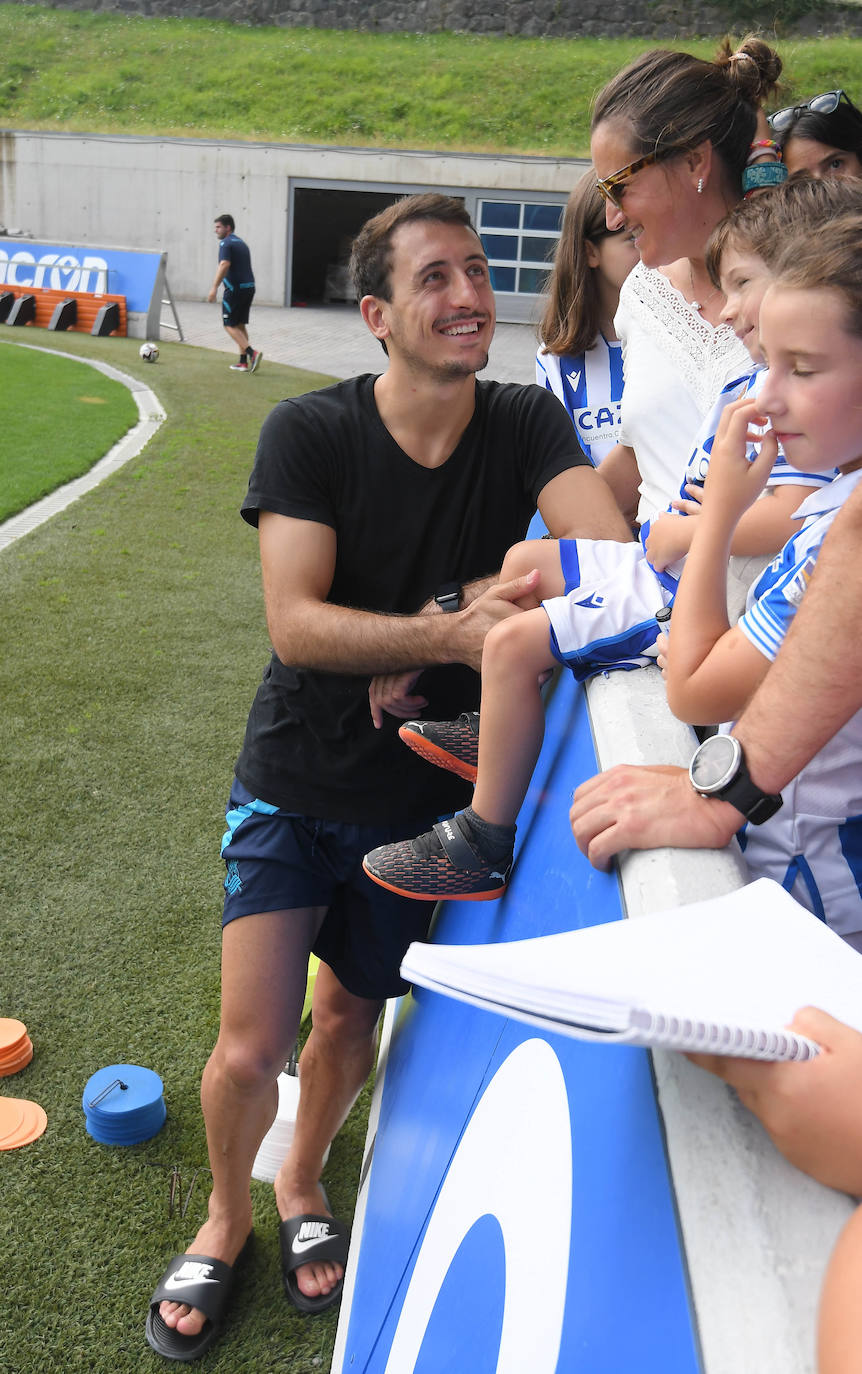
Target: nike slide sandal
201	1282
305	1239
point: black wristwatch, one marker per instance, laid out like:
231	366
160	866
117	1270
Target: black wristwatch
718	769
448	598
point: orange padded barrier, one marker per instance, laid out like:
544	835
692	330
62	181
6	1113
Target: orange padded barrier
88	306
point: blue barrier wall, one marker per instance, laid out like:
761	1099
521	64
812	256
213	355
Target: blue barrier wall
519	1213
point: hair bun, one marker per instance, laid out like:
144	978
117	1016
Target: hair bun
752	65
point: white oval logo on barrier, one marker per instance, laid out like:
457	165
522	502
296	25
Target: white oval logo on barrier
514	1162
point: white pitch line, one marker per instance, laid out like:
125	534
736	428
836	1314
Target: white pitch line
150	416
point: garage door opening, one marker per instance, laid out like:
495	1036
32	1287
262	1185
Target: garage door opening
519	231
325	224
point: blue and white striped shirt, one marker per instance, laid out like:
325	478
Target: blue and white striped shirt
590	387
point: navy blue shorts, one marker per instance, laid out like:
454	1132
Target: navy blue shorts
236	304
278	861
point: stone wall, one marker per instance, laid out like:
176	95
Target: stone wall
528	18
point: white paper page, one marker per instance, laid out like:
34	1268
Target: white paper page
750	958
758	1043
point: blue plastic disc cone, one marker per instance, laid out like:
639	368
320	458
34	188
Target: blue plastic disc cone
124	1104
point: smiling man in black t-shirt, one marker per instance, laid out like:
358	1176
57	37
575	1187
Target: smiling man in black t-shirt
372	498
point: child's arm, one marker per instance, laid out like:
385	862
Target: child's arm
669	538
768	524
711	669
619	469
763	529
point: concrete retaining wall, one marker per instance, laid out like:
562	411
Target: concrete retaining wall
164	193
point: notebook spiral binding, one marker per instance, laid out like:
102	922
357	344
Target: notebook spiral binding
709	1037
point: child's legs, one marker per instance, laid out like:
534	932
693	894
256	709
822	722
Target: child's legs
607	616
543	554
512	719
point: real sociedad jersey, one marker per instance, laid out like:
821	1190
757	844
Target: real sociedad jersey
813	845
606	616
782	474
590	386
775	597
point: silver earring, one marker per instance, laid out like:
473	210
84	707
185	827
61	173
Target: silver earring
700	186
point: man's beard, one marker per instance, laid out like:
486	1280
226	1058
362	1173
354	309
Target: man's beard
449	372
443	372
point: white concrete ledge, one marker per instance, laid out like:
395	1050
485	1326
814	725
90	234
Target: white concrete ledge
757	1232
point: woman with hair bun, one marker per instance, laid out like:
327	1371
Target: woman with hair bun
675	146
579	358
822	136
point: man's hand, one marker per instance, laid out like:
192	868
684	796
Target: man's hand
635	806
390	692
212	295
812	1109
494	605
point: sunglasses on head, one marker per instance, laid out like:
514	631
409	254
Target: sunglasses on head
826	103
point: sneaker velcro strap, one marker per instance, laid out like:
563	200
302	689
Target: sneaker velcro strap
458	848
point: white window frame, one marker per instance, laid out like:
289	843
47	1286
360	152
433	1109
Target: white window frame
512	307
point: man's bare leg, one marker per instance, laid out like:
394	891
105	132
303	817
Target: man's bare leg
239	334
264	973
335	1062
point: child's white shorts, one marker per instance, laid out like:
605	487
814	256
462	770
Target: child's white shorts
606	619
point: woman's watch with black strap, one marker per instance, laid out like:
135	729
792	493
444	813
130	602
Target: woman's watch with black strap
718	770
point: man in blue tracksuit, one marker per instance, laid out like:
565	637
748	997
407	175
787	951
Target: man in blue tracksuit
234	269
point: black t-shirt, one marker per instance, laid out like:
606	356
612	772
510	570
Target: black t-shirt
402	531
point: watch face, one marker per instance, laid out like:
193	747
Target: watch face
715	763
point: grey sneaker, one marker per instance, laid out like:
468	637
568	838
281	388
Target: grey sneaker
446	862
452	744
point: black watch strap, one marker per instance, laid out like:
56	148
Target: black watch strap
448	597
718	769
756	805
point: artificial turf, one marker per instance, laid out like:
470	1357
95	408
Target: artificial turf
133	639
80	414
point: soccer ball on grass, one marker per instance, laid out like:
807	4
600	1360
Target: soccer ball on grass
149	352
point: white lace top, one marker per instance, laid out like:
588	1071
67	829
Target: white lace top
675	364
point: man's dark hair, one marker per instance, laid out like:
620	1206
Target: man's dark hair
226	219
371	257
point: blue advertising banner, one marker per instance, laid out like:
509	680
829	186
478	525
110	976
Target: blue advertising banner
69	267
520	1215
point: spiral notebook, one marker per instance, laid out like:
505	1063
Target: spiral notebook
721	976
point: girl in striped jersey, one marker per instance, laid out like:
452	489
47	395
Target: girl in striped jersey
580	358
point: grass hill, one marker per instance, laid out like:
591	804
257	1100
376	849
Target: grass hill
105	73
